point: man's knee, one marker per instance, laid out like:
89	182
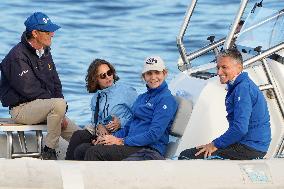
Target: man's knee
94	154
188	154
59	106
80	151
81	136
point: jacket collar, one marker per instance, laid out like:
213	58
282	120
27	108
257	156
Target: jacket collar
28	45
158	89
242	76
108	89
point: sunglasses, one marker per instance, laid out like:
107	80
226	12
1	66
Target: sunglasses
104	75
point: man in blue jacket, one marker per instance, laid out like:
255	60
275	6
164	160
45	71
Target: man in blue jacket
30	85
249	133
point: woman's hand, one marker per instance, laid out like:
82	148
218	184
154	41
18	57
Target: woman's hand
114	125
207	149
101	130
108	140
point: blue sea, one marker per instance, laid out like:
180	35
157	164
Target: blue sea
123	32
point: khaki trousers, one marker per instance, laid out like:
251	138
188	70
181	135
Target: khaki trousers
51	111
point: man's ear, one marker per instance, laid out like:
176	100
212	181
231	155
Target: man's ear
34	33
240	67
165	72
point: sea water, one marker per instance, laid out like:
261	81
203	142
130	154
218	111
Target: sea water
123	32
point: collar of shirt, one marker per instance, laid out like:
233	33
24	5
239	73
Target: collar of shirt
39	52
231	82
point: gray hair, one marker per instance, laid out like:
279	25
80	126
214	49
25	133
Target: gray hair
232	53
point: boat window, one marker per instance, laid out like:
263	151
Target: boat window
264	27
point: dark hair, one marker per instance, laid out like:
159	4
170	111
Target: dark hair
29	35
233	53
91	77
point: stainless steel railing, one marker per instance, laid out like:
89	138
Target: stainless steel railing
226	41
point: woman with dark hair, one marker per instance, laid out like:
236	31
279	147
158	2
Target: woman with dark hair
111	104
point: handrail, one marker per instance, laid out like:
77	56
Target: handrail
247	62
184	26
205	49
264	54
224	41
180	44
220	42
237	19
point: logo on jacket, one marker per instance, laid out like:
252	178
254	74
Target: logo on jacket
165	107
23	72
49	66
149	104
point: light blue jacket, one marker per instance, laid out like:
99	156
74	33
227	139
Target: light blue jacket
154	112
115	100
248	116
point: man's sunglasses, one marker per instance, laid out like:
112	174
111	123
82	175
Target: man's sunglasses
104	75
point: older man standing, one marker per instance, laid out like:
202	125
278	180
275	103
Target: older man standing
30	85
249	133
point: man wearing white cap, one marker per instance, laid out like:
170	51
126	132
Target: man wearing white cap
30	85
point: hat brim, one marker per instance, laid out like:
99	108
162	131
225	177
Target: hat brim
47	27
152	68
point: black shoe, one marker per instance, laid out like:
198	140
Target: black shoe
48	154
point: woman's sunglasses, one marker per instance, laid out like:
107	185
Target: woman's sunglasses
104	75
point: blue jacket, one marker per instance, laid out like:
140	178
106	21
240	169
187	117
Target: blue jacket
115	100
154	112
248	116
26	77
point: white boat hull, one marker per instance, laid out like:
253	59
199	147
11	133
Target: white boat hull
215	174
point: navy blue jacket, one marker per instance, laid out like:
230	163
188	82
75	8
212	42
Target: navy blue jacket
153	114
26	77
248	116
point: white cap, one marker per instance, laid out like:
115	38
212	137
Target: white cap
153	63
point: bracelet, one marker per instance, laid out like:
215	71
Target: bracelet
122	141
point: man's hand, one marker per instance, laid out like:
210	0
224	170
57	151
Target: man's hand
207	149
114	125
64	123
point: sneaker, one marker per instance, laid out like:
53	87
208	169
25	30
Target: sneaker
48	154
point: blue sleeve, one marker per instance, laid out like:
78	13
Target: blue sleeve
123	111
238	126
121	133
163	114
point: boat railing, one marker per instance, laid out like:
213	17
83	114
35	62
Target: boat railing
225	41
246	63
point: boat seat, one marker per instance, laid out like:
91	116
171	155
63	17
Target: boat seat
182	116
8	126
180	122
